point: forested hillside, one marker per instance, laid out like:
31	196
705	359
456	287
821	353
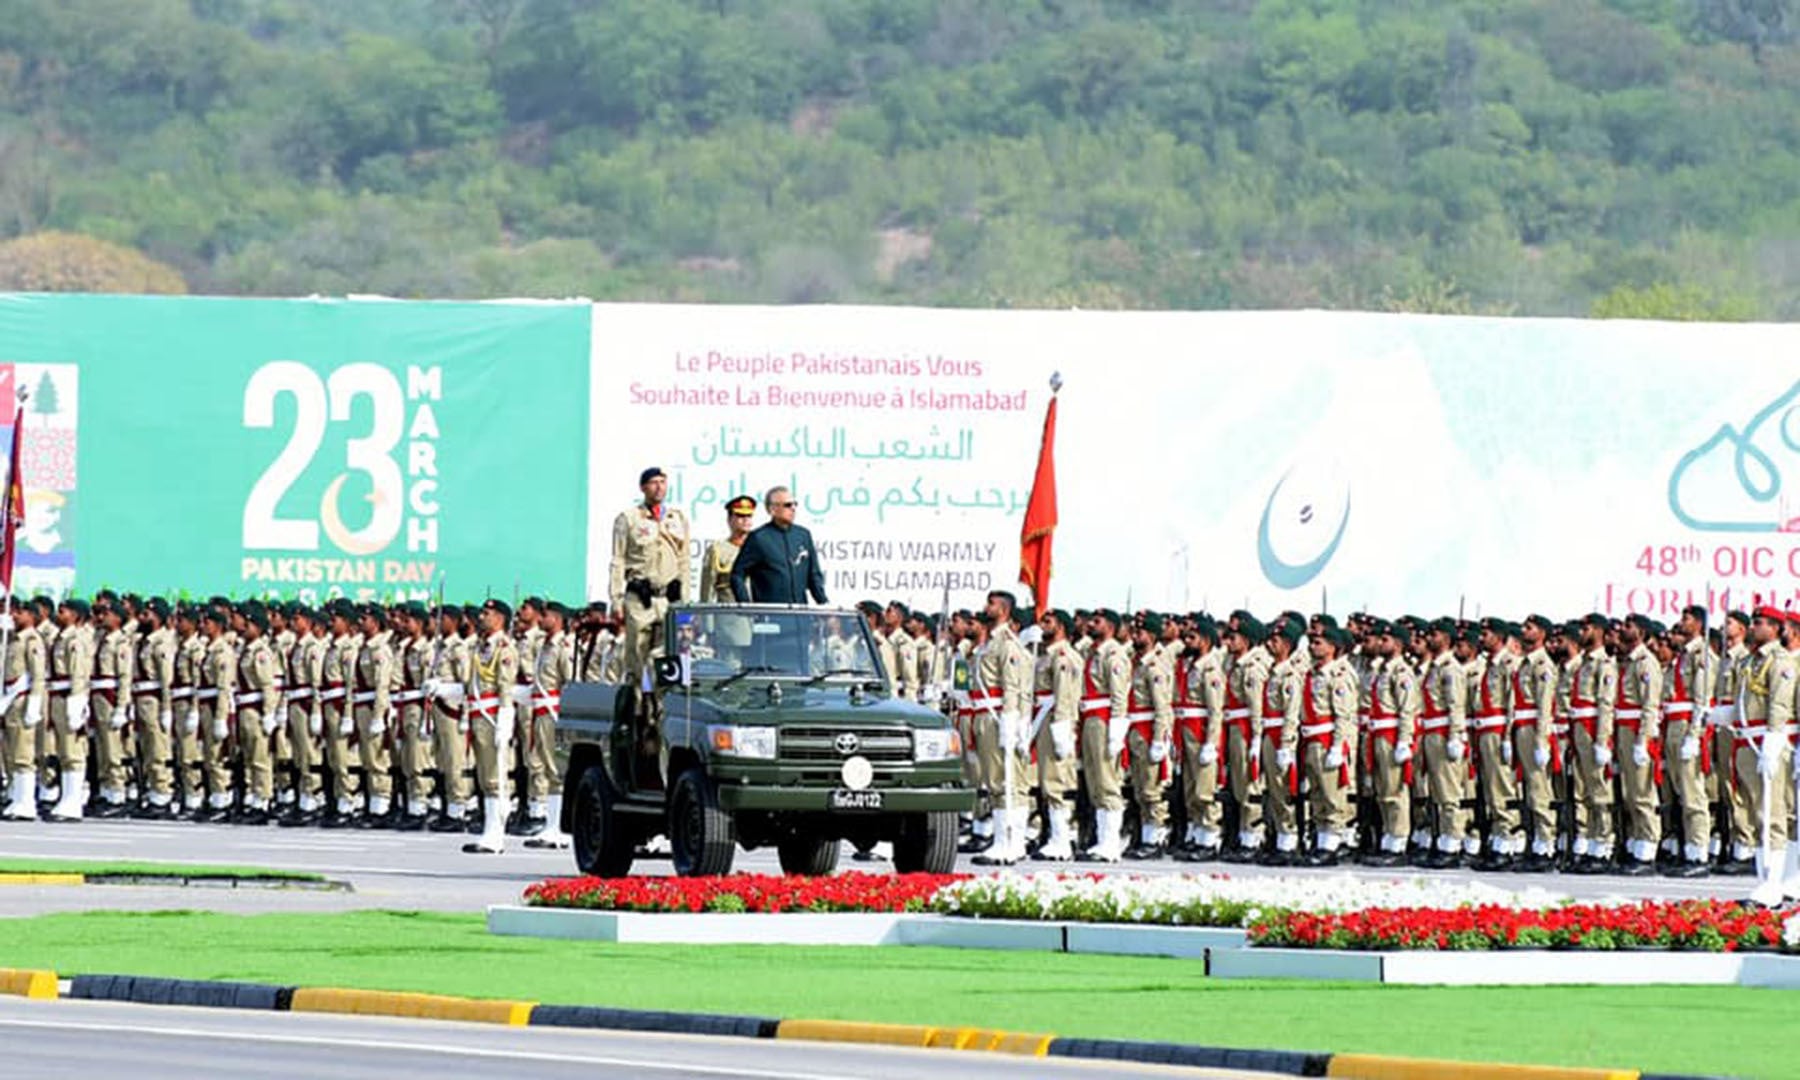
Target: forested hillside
1509	156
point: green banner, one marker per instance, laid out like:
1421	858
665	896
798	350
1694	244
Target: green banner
299	447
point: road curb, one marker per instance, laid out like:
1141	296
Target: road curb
43	879
29	983
147	990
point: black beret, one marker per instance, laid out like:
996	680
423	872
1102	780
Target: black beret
648	475
500	606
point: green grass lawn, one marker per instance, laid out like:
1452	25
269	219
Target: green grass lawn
1714	1030
148	869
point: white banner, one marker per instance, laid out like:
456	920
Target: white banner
1399	464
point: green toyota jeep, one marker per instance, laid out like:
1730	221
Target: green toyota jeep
766	726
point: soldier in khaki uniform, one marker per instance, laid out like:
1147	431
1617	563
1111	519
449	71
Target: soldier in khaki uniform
1279	724
259	716
1150	740
1200	723
904	650
555	669
412	666
336	673
717	560
213	699
1105	719
305	663
1000	691
190	664
25	697
446	692
1389	735
372	702
650	567
282	638
1443	742
1247	666
1490	719
110	709
1764	757
1736	853
1687	746
71	670
595	644
1328	702
152	690
493	672
1593	697
1637	717
1537	750
1059	720
528	639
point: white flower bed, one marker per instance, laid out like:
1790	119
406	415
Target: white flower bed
1209	900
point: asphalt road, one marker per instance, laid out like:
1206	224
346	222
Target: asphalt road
75	1038
428	871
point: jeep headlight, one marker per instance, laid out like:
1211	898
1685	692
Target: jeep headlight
744	742
938	744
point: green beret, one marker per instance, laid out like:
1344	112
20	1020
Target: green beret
1328	622
1292	629
500	606
259	619
1444	625
1108	614
79	607
1025	616
1341	638
157	606
1064	620
1151	621
1207	629
869	607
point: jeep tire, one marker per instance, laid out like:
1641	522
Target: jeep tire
812	856
702	841
602	848
926	844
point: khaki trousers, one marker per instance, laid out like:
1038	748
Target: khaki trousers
372	749
1199	785
256	757
1247	792
339	758
540	757
1444	781
1685	785
21	742
994	759
71	745
1498	786
643	633
415	753
1278	800
1105	780
1329	789
1778	806
1592	790
1537	796
1637	791
109	748
215	763
1387	778
304	746
1057	776
452	755
153	747
490	757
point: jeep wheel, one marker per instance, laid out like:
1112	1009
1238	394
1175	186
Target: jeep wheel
701	839
813	856
927	844
601	848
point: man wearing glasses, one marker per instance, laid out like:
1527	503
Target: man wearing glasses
778	563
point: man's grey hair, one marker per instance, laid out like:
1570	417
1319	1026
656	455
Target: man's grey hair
769	496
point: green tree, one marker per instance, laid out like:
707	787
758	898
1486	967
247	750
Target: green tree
43	400
1676	303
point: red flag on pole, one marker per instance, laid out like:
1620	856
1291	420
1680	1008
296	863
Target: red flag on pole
15	505
1040	514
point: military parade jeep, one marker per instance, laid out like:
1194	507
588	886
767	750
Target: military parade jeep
764	726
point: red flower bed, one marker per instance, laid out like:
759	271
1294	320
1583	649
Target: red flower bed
1694	925
743	892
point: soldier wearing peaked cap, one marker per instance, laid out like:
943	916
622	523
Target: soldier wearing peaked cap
720	555
1738	835
1764	755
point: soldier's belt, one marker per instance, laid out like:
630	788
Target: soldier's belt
1484	722
1141	716
146	686
1048	696
206	694
1386	723
254	697
103	684
1190	712
299	693
1678	709
1274	723
1721	716
1096	705
1237	714
1317	732
1428	724
363	697
1584	712
485	705
59	687
1628	714
333	692
181	693
1522	715
406	697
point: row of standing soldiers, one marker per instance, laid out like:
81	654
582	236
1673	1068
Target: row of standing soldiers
1594	746
345	715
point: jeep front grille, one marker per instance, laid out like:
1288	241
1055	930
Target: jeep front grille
891	746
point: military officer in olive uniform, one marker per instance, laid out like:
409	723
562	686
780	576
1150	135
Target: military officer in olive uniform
25	698
493	672
555	668
152	689
649	570
259	715
446	693
715	564
218	684
111	710
412	664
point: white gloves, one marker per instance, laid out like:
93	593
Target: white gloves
1115	737
315	723
221	728
165	719
378	724
1602	755
429	688
1013	734
1402	753
121	715
931	693
78	713
1159	752
1456	748
462	722
1334	757
1062	741
190	725
1284	759
34	713
1690	748
6	621
347	723
1640	753
1209	754
1768	761
1506	751
1541	755
505	721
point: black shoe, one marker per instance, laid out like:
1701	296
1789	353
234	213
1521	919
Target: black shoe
1534	864
975	844
1239	855
868	855
107	811
335	820
376	821
1440	860
1140	851
410	823
152	812
1322	858
298	819
1636	868
1738	868
446	825
520	825
208	815
475	825
1275	858
1685	869
473	848
251	816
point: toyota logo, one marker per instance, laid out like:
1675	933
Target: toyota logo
847	743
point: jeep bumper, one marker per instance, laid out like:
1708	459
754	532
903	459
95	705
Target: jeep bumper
895	800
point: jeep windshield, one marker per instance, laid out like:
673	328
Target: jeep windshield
734	644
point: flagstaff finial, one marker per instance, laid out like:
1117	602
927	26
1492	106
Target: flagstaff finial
1055	381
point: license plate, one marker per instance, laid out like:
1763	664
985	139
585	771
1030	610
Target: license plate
845	799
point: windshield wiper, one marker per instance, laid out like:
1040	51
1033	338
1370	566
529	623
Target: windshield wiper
823	675
756	669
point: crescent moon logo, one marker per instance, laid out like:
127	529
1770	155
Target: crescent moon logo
1286	575
333	523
